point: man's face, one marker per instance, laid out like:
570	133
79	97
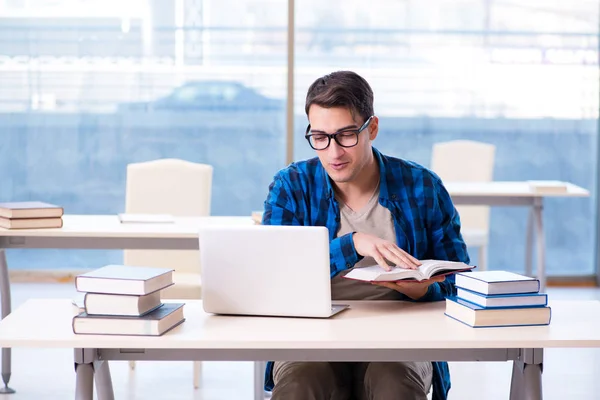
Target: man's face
343	164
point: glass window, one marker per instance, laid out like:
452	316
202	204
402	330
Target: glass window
87	87
521	76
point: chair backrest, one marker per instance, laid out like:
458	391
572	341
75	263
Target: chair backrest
168	186
466	161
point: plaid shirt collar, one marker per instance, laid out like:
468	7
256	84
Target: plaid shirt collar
383	183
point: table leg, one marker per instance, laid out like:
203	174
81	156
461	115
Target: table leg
529	243
104	388
516	382
6	308
532	382
526	382
84	371
84	387
540	243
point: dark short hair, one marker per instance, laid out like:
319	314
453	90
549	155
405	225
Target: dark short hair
342	89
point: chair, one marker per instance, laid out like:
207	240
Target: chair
468	161
179	188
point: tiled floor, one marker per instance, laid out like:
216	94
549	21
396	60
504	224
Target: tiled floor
49	374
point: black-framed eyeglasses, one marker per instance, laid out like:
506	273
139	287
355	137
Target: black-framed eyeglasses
345	138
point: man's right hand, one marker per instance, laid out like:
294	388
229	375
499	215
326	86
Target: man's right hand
371	246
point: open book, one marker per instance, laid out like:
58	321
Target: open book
428	269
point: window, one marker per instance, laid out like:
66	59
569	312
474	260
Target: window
84	94
87	86
519	75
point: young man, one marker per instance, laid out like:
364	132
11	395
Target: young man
378	209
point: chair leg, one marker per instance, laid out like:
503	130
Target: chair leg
132	365
482	257
197	372
259	380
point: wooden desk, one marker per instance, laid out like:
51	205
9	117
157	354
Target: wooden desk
506	193
503	192
46	323
99	232
106	232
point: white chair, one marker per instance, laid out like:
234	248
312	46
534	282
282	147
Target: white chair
179	188
468	161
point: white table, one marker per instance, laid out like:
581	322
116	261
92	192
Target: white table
506	193
99	232
46	323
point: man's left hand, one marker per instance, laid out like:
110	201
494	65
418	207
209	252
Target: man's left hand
414	290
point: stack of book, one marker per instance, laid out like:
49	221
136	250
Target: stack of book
125	300
498	298
30	215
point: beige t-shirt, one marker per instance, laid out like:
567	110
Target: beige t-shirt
373	219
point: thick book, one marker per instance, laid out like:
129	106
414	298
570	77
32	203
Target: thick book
155	323
497	282
427	270
548	187
30	209
124	279
503	300
479	317
121	304
30	223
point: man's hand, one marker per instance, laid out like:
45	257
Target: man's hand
380	249
414	290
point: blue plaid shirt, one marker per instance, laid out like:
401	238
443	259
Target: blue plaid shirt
425	220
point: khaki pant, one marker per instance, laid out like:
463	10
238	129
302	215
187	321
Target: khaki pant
351	380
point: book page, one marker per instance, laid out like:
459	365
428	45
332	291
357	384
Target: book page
430	267
377	273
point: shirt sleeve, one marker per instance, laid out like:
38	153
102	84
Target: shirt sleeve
342	254
446	242
281	208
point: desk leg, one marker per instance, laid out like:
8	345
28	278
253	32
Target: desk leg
535	222
540	243
104	388
6	308
84	387
529	243
533	382
526	383
84	371
516	382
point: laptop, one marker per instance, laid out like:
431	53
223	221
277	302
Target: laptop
266	270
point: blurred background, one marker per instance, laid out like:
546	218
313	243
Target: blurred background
89	86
